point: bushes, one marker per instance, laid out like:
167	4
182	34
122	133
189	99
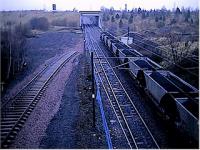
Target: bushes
173	21
59	22
117	16
160	24
64	22
23	30
130	20
39	23
72	24
113	19
120	23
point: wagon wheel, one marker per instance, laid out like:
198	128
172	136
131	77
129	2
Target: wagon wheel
164	113
169	108
141	79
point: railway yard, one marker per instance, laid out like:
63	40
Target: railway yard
87	89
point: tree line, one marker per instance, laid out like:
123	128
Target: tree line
158	15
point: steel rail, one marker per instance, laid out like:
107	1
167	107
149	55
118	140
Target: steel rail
121	84
108	96
99	49
3	104
132	102
14	116
126	123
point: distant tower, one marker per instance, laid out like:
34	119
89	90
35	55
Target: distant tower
54	7
125	7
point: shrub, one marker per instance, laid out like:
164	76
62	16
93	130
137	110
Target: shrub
187	16
117	16
163	18
64	22
178	11
139	10
130	20
72	24
113	19
143	15
124	15
13	40
156	19
106	17
173	21
40	23
160	24
59	22
23	30
120	23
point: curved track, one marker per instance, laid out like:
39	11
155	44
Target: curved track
15	111
135	130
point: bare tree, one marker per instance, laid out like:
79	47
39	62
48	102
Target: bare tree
13	41
10	50
178	51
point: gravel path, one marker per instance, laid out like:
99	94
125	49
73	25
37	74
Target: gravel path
60	132
32	133
72	127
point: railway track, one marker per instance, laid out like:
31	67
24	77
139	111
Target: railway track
15	112
135	130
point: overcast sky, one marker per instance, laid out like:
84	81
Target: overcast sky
94	4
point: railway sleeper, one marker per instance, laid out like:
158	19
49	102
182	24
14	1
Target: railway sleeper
8	119
7	125
23	106
25	99
30	94
16	103
6	129
9	112
7	122
12	115
13	109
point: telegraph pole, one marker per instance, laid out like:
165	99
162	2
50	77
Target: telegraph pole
93	91
128	32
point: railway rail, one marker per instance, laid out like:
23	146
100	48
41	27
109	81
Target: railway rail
135	130
155	81
15	112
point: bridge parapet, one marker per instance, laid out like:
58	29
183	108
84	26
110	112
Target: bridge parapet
90	17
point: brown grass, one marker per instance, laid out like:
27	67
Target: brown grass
25	16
